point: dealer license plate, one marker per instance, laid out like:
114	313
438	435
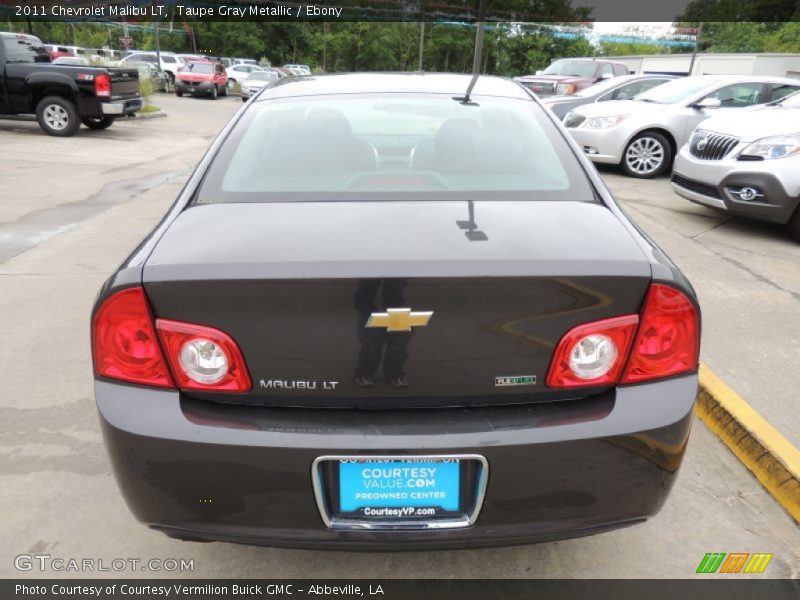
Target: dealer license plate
399	488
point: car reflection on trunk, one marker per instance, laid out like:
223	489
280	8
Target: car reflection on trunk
376	343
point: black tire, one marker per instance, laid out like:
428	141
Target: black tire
214	92
647	155
57	116
179	94
225	90
98	123
794	224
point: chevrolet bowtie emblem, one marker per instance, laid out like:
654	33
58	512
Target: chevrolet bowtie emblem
399	319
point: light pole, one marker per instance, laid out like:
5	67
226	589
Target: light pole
421	43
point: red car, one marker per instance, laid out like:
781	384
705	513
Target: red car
202	78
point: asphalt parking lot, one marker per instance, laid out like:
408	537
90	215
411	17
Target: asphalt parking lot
71	209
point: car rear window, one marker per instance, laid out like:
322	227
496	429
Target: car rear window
393	146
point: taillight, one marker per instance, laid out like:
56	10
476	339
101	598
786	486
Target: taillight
592	354
668	340
124	341
663	341
203	358
127	345
102	86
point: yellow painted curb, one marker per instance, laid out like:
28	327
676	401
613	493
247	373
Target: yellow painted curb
763	450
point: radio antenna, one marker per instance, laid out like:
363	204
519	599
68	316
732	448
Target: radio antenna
477	58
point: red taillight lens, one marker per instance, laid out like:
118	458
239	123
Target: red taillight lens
102	86
203	358
668	340
592	354
124	341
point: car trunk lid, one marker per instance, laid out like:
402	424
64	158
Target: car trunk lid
295	284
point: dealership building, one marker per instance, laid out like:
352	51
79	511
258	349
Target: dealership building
777	65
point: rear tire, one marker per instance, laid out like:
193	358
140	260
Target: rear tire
244	99
225	90
179	94
647	155
57	116
794	224
98	123
214	92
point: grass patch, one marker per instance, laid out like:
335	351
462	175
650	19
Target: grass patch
149	108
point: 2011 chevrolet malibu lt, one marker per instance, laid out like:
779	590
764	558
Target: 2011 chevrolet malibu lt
395	311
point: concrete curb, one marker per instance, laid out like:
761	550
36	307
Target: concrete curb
152	115
763	450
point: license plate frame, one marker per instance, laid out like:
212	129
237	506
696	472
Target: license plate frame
472	480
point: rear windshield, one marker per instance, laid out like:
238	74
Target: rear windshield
387	146
24	49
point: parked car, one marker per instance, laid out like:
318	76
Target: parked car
746	164
624	87
202	78
158	79
303	69
62	97
569	75
523	364
642	135
170	62
57	51
239	72
257	80
244	61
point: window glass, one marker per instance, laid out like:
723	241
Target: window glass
676	90
199	67
782	90
576	68
387	146
25	49
739	95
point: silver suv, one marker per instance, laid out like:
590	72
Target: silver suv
747	164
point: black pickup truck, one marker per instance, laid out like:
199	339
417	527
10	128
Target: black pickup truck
61	96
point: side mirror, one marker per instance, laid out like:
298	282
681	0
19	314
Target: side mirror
708	103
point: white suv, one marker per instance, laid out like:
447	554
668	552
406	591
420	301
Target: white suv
170	62
746	164
240	72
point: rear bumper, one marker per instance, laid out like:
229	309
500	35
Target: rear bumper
239	474
119	108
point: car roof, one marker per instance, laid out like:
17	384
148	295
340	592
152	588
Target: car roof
374	83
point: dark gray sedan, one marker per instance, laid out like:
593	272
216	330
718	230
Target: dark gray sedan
386	312
618	88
